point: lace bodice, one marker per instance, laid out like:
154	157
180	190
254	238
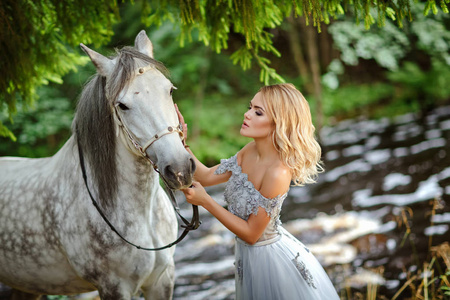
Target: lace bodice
244	199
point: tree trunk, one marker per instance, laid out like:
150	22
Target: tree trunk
325	42
298	55
312	50
200	95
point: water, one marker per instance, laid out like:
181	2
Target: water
354	219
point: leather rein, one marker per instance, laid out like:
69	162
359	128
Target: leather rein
188	226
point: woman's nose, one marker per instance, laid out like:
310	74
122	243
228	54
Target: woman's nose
247	115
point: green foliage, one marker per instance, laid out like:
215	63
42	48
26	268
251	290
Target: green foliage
431	5
38	40
38	37
220	122
388	45
433	35
385	45
354	100
40	130
418	85
212	23
445	288
409	89
423	86
52	29
253	20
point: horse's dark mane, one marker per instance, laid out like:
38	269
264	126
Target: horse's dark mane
93	125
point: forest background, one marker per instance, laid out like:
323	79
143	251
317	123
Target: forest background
350	60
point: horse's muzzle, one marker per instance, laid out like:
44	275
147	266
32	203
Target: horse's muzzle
180	176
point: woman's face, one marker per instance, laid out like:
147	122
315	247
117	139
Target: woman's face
257	123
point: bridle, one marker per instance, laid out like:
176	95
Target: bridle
188	226
142	149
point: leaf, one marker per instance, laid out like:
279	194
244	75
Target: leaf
5	132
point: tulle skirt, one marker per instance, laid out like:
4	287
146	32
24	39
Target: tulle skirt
278	269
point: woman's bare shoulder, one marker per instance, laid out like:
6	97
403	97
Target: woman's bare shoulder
278	170
276	180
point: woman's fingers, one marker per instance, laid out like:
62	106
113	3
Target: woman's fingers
187	192
195	184
180	116
181	120
195	194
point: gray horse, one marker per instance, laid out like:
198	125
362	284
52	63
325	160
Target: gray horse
52	239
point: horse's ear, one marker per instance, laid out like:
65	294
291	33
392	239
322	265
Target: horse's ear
143	44
103	64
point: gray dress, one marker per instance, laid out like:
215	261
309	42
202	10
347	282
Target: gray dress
278	266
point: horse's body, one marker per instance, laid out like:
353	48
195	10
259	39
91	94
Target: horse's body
53	240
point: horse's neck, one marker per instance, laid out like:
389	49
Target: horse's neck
67	157
137	181
136	178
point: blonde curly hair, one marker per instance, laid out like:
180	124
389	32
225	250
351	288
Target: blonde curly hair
293	136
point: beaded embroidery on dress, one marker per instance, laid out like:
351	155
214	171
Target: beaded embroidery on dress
278	266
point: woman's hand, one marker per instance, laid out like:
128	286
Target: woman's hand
196	194
183	124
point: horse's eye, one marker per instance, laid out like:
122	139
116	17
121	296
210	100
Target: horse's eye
123	106
172	89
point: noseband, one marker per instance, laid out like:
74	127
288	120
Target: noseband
188	226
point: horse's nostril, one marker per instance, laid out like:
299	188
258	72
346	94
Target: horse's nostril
193	166
168	170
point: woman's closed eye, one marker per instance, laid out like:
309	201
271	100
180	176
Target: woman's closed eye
257	112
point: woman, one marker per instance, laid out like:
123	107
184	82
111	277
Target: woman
270	262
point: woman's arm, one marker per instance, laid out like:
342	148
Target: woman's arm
249	231
206	175
274	183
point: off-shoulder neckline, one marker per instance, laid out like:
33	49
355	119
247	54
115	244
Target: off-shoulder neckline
252	186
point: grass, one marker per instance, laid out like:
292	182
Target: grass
430	282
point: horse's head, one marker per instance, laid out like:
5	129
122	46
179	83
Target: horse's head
140	98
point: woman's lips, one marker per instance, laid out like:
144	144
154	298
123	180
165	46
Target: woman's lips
245	125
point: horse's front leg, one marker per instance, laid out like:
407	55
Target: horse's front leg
107	294
114	291
161	288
